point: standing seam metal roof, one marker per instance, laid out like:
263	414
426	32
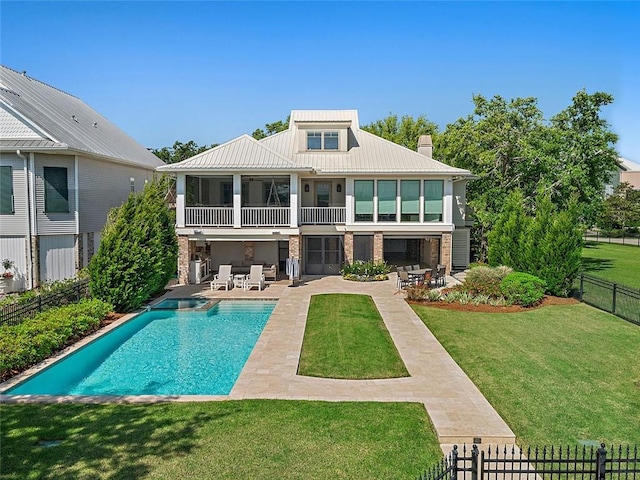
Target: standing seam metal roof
68	120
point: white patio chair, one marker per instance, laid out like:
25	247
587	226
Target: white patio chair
255	278
223	278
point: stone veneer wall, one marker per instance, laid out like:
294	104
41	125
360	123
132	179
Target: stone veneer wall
348	247
183	259
445	251
295	246
79	251
35	254
91	247
249	249
378	247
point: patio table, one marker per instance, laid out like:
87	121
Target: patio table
418	276
238	280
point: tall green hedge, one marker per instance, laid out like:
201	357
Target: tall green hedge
37	338
547	244
138	252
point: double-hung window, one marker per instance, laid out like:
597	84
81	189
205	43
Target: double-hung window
410	203
387	191
322	140
6	191
433	193
56	190
363	190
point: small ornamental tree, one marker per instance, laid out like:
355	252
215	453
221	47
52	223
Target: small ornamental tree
138	251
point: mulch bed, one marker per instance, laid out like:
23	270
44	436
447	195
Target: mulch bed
548	300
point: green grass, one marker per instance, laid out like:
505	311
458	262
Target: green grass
556	375
263	439
345	337
616	263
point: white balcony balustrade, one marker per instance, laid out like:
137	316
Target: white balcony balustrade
208	216
322	215
266	216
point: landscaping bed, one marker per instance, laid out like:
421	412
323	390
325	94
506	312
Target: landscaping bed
484	308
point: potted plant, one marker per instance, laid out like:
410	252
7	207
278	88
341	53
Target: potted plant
8	265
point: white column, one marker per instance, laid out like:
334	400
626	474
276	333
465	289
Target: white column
76	206
398	201
375	201
348	201
421	205
181	182
237	200
447	201
293	199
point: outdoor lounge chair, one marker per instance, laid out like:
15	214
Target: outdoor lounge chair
223	278
255	278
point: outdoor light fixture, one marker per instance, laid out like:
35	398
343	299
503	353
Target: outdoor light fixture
339	188
306	187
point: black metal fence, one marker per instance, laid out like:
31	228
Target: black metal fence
623	239
612	297
564	463
14	313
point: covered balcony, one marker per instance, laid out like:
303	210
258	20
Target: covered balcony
323	201
212	201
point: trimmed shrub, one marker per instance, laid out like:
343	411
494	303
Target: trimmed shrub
523	289
362	271
484	280
37	338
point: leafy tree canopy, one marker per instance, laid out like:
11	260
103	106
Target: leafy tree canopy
271	129
622	209
404	131
509	145
180	151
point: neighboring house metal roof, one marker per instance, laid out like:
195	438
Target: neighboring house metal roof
63	120
627	165
242	153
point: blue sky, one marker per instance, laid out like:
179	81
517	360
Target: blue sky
210	71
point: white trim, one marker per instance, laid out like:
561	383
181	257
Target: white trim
180	202
76	206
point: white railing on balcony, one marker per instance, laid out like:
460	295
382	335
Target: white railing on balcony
322	215
208	216
266	216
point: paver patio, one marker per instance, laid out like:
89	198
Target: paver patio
457	409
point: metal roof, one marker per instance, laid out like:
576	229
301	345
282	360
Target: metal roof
324	116
367	153
242	153
66	120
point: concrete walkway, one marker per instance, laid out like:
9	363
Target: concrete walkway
458	410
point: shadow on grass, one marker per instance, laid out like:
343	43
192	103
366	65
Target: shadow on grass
92	441
596	264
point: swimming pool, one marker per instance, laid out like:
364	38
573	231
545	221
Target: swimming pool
161	352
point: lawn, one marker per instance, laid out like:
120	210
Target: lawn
345	337
557	375
266	439
613	262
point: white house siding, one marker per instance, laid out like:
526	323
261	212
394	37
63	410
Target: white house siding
103	185
460	248
57	257
55	223
16	223
14	248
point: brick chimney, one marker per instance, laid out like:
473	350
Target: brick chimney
425	146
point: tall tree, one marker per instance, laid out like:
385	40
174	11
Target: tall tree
138	251
180	151
582	145
271	129
404	131
508	145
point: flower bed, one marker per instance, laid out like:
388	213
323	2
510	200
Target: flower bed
360	271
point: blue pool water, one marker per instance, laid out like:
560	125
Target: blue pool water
161	352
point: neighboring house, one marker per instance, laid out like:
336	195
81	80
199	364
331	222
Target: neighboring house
324	192
627	171
62	167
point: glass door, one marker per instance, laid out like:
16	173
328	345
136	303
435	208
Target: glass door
323	194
